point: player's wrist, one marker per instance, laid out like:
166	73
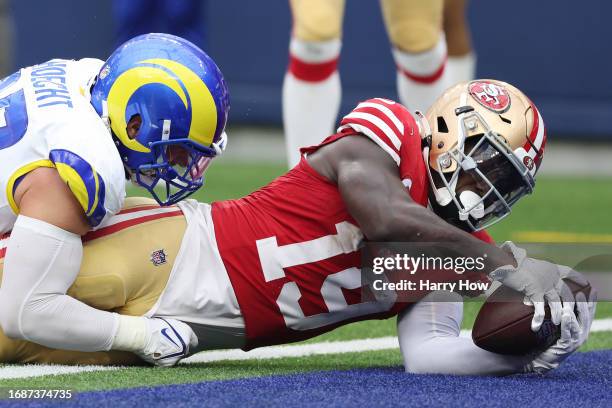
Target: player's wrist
131	334
512	262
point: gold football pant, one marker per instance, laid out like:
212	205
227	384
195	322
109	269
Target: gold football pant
413	25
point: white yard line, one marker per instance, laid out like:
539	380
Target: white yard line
25	371
601	325
298	350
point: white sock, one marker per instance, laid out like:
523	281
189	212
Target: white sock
461	68
311	94
421	77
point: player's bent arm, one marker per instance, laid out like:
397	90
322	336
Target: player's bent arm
42	260
369	182
371	188
429	340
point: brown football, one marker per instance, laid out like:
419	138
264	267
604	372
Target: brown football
503	324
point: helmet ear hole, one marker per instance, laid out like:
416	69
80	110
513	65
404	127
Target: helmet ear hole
442	127
133	126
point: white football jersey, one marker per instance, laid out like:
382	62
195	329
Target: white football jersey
199	290
46	120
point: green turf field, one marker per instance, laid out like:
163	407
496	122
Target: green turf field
578	206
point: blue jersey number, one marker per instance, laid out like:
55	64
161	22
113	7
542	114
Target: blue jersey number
13	114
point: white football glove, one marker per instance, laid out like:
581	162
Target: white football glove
168	341
537	280
574	332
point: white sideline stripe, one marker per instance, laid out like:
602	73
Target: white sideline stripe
300	350
39	370
601	325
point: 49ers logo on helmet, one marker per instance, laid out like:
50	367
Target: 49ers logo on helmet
492	96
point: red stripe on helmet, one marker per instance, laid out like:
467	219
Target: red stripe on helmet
530	144
540	155
536	123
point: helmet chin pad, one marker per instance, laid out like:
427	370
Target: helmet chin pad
448	213
472	204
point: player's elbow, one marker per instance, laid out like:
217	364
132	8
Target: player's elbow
9	318
21	320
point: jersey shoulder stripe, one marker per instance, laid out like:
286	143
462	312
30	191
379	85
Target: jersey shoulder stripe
84	182
384	113
381	120
16	177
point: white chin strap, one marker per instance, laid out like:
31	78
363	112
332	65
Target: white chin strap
473	205
221	144
104	116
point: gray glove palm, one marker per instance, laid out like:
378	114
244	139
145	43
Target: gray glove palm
537	280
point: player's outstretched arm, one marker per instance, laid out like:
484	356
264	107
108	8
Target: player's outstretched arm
369	182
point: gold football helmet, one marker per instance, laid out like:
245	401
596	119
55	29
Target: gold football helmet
483	143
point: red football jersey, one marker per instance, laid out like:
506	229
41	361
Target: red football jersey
291	248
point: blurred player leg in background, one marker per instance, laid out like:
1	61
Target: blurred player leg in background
6	39
185	19
311	89
461	64
132	18
179	17
419	50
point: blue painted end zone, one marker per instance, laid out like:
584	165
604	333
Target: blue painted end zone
584	381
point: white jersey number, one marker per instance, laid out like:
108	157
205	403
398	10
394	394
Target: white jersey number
274	258
13	113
